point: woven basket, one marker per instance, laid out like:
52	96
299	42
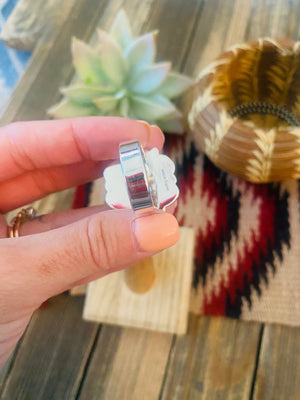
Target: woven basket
245	111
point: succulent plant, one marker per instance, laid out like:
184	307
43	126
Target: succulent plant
118	77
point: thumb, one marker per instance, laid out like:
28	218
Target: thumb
45	264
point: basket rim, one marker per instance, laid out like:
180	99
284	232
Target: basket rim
283	45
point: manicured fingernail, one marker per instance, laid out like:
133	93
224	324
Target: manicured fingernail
157	134
154	134
145	138
156	232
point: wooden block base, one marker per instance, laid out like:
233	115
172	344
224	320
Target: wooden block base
163	307
78	290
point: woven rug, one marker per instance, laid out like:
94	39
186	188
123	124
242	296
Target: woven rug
247	251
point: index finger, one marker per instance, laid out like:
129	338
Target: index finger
27	146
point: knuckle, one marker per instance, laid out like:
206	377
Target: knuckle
101	243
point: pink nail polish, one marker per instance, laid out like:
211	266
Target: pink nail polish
145	139
156	232
157	133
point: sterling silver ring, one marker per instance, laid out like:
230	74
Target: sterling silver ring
139	180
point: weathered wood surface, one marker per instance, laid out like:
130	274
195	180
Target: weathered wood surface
217	358
278	374
32	21
5	372
50	65
127	364
53	353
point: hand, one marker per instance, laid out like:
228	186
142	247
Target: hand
64	249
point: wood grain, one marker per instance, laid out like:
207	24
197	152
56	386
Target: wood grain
216	360
221	24
127	364
98	373
278	373
51	358
32	21
273	18
4	372
175	21
50	66
164	307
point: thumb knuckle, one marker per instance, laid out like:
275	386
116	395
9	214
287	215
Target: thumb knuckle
100	243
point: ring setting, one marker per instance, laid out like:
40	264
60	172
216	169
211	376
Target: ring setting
26	214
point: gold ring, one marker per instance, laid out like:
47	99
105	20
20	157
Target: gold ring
26	214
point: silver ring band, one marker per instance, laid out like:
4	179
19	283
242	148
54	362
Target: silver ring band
138	177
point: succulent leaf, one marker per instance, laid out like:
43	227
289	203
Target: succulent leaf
171	125
120	30
175	84
85	94
124	108
106	103
87	63
113	62
69	109
175	114
149	78
141	51
119	77
151	108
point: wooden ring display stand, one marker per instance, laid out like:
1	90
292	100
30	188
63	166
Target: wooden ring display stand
154	294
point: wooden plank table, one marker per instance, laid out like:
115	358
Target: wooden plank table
62	357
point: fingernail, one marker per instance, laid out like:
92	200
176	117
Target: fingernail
156	232
154	134
145	138
157	134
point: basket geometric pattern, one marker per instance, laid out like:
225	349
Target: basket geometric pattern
259	146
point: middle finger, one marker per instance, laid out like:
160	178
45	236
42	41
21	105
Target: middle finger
34	185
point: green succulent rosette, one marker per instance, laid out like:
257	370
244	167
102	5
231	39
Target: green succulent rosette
119	77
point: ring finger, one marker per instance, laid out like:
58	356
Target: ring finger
46	222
